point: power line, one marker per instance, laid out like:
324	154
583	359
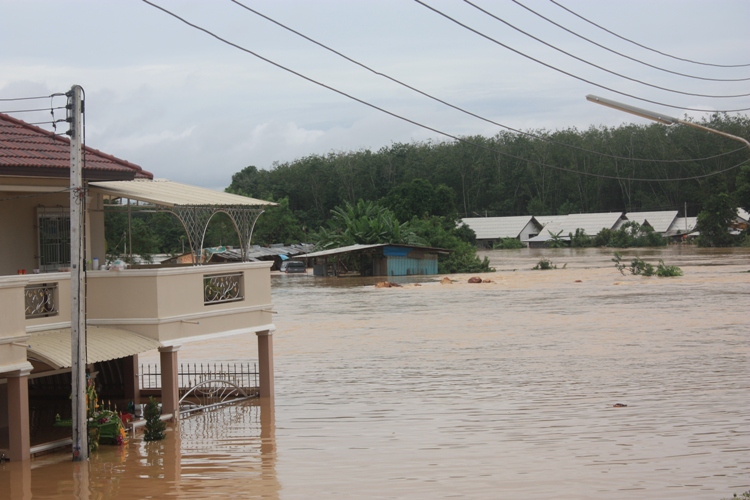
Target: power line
7	99
31	110
457	108
625	55
644	46
427	127
563	71
596	65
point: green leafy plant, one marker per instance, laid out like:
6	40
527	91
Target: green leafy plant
663	270
154	425
638	266
557	240
508	244
543	265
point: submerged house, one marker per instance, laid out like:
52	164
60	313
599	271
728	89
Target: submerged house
562	226
660	221
490	230
380	259
128	311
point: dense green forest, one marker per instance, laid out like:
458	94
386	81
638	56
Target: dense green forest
416	192
567	171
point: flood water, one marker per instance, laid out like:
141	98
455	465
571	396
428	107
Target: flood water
494	390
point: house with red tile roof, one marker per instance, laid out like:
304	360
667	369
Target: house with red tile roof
128	311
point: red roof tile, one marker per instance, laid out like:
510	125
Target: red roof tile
28	150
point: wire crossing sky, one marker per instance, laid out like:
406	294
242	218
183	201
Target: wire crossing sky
169	98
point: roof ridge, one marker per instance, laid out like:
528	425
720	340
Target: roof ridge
66	140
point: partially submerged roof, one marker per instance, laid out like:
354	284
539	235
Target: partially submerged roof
170	194
682	225
53	347
491	228
660	220
567	224
27	150
361	248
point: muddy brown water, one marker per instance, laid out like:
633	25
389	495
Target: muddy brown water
499	390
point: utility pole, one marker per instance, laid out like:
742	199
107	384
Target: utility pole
77	273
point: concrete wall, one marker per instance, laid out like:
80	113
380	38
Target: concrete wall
167	304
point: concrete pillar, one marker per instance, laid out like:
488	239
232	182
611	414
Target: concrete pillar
130	380
18	415
170	389
265	363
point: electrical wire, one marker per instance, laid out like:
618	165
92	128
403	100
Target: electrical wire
596	65
462	110
427	127
31	110
8	99
420	2
625	55
644	46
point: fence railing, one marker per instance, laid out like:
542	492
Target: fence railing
244	375
219	288
40	300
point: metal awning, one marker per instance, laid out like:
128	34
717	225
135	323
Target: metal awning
194	206
53	347
171	194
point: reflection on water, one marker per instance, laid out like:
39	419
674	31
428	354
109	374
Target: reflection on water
498	390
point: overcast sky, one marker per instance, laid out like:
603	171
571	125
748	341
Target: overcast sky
190	108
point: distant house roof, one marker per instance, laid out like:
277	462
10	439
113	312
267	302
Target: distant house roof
360	248
27	150
660	221
491	228
682	225
566	224
742	214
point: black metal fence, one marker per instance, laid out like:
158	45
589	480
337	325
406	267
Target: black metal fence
244	375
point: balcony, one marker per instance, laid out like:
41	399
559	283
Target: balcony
169	305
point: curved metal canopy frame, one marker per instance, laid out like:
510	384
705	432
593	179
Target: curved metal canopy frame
195	219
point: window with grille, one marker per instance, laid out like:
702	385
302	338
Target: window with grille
54	238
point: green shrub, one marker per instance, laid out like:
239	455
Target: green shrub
664	270
508	244
639	267
154	425
580	239
543	265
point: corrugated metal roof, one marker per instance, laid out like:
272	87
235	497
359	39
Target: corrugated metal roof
355	248
53	347
660	220
491	228
566	224
743	215
170	194
682	225
29	150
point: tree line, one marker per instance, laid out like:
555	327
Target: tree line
418	191
635	168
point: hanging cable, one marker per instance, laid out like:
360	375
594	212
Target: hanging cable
427	127
30	110
420	2
596	65
462	110
625	55
644	46
9	99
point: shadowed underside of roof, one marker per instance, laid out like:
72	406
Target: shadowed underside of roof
54	347
27	150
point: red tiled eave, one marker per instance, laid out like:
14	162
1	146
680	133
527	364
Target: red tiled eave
27	150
